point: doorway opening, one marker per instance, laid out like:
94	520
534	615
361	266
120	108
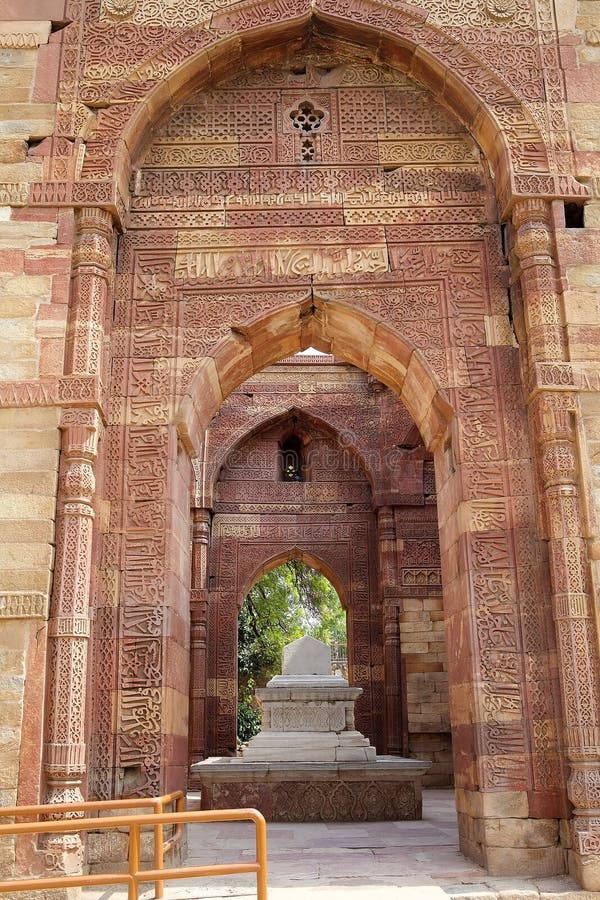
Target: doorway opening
286	603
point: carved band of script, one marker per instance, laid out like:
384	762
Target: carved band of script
281	261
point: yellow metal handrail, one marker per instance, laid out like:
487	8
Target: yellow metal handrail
135	875
156	803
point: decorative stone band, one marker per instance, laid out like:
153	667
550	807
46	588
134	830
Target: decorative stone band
69	627
23	605
79	390
103	194
541	185
13	194
65	759
572	606
23	35
583	742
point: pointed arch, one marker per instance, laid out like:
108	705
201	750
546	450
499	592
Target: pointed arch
300	555
305	419
397	35
334	327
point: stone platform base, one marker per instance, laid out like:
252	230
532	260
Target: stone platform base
386	789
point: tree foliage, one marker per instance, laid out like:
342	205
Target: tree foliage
286	603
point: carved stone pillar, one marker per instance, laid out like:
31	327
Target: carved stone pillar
577	637
395	730
92	261
539	284
69	623
554	422
198	626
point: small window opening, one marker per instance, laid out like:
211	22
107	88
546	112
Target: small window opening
307	149
306	119
574	215
291	459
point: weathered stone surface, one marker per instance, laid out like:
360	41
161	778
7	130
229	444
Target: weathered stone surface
389	789
280	201
306	656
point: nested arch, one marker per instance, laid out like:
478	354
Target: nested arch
293	418
309	558
351	334
399	36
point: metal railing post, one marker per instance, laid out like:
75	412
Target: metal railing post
159	852
134	860
261	858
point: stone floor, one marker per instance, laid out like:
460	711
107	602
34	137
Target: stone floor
374	861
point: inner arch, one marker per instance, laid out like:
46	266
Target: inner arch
332	327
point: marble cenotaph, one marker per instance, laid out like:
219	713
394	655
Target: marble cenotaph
308	762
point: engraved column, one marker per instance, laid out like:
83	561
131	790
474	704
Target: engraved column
554	421
386	527
92	259
198	620
69	624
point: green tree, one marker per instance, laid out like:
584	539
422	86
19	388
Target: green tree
286	603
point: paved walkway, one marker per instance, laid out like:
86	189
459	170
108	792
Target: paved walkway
373	861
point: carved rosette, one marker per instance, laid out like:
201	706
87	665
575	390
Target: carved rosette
534	248
69	623
92	262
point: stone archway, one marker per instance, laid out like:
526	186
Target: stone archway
495	566
344	520
418	303
342	544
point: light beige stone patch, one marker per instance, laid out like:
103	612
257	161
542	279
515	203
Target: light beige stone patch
24	33
584	277
28	460
520	832
22	235
20	172
585	124
21	555
28	421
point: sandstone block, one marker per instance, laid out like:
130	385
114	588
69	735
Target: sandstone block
20	173
41	483
11	701
28	460
23	235
20	506
520	832
30	419
36	120
26	531
16	308
11	661
12	151
36	579
7	853
25	556
585	124
530	862
501	804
